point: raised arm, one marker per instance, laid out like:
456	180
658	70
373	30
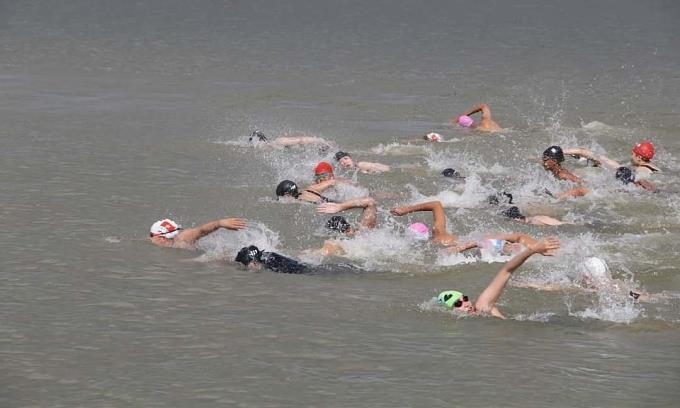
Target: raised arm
486	302
484	108
189	236
578	152
439	233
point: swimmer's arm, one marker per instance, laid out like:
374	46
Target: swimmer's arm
322	186
439	224
487	300
568	176
646	184
515	237
191	235
571	193
544	220
333	208
298	140
330	248
458	248
484	108
368	167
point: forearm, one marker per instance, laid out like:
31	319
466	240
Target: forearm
362	202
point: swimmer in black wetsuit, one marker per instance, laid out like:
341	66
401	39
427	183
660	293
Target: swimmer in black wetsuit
288	188
253	258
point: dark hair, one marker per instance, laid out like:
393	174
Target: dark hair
554	153
287	187
259	135
513	213
340	155
625	175
248	254
495	199
338	223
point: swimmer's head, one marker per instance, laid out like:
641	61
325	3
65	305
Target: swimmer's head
338	223
514	213
595	271
451	173
553	153
419	231
248	254
344	160
165	228
644	149
625	175
450	299
465	121
257	136
287	188
433	137
495	199
323	171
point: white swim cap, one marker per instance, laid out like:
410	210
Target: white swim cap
596	268
434	137
166	228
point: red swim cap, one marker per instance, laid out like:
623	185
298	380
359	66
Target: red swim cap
644	149
323	167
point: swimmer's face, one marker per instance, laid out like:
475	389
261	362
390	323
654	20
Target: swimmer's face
465	305
323	177
512	248
550	164
346	162
637	160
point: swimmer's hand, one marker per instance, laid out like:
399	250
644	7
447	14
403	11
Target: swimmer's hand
546	247
233	223
329	208
399	210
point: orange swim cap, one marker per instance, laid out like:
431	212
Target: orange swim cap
644	149
323	167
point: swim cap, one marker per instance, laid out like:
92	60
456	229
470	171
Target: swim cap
465	121
644	149
596	268
248	254
259	135
625	175
323	167
554	153
340	155
338	223
448	298
434	137
166	228
420	231
287	187
513	213
449	172
495	199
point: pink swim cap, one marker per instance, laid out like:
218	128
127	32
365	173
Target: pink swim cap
420	230
465	121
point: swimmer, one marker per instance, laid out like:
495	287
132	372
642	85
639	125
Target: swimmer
439	233
253	259
626	176
486	302
552	159
339	223
312	194
167	233
486	124
451	173
514	214
289	141
640	158
345	161
594	276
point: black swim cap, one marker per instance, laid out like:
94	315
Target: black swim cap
287	187
449	172
259	135
248	254
513	212
340	155
495	199
625	175
554	153
338	223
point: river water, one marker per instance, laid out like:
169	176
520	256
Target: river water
116	114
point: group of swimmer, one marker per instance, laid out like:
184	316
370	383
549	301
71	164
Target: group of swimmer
167	233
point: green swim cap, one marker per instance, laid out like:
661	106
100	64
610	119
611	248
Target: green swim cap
448	298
